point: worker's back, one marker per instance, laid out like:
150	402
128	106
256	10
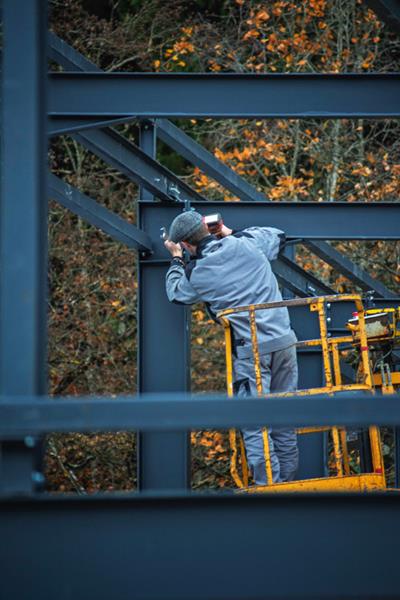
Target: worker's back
235	271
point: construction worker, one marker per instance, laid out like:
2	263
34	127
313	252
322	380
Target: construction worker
231	269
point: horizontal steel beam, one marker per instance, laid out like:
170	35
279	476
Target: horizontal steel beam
305	220
20	416
229	95
348	268
388	11
130	160
92	212
202	547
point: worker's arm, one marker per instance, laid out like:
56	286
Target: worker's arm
268	239
178	286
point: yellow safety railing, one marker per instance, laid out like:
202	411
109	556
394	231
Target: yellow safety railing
333	383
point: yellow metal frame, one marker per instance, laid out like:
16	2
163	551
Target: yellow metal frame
343	480
368	482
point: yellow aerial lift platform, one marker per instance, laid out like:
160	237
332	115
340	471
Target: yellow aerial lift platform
372	336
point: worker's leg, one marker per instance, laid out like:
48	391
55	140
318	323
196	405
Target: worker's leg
245	385
284	378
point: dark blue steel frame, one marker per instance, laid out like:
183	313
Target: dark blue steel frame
23	373
226	95
152	176
202	547
173	545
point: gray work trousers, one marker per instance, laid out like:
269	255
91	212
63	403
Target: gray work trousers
279	374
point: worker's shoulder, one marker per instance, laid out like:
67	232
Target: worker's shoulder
242	233
251	233
216	251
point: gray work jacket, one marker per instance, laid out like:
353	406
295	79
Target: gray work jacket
235	271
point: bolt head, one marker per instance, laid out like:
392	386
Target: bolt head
29	441
37	478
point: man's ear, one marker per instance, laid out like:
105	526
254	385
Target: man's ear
189	247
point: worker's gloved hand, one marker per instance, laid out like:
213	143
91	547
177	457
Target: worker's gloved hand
173	249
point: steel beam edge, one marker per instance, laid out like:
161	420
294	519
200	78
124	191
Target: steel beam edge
125	156
297	280
348	268
154	547
299	220
92	212
23	222
66	56
180	412
62	126
226	95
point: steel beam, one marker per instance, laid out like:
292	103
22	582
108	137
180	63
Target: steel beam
23	212
148	146
163	351
64	126
388	11
174	411
199	547
137	165
227	95
197	155
92	212
305	220
66	56
297	280
348	268
23	224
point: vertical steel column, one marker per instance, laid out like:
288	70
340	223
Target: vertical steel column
164	365
148	143
23	227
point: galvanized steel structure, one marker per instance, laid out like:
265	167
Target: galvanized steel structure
165	542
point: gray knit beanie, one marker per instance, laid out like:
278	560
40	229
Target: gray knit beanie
185	225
